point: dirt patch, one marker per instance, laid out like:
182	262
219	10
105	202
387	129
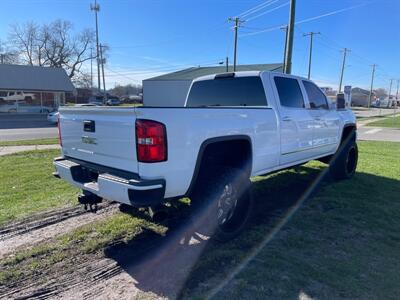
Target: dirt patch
147	266
41	227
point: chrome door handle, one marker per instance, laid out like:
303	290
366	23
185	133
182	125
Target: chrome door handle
286	119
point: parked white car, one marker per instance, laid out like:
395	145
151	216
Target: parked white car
233	126
53	117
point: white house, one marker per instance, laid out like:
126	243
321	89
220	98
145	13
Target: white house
171	89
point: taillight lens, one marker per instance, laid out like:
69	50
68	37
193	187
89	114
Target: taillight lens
59	131
151	141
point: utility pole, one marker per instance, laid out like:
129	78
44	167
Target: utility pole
289	38
345	50
2	58
372	85
284	52
397	90
235	28
96	9
311	34
390	88
227	63
91	68
102	69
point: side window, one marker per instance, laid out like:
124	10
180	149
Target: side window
315	96
289	92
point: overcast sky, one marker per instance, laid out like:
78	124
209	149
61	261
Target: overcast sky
153	37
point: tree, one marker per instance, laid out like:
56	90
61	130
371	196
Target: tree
7	56
53	45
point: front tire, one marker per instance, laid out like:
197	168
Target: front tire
222	204
344	165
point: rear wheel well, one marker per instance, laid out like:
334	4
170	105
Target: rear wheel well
347	131
219	153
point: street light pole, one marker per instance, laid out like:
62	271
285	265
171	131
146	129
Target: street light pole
96	9
311	34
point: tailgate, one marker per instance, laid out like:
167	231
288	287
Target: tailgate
103	135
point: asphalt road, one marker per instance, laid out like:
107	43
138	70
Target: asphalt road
27	133
14	121
14	127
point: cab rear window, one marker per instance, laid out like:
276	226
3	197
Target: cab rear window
227	91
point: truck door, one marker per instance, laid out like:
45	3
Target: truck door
327	122
296	122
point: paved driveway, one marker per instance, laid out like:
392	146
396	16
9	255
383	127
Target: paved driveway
378	134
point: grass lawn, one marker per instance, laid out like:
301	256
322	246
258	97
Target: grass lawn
30	142
27	185
341	243
387	122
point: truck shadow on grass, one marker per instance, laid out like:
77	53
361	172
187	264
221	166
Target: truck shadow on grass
185	264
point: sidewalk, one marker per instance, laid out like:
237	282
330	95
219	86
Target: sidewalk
15	149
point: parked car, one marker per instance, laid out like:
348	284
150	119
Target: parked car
99	100
53	117
15	96
233	126
113	101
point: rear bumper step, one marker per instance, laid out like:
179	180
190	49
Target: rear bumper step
111	184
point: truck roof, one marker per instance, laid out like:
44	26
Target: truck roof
243	74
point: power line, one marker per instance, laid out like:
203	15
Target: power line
256	8
268	11
307	20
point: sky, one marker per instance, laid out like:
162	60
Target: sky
151	37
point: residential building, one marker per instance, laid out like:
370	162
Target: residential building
32	89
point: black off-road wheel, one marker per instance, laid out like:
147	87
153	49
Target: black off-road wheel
222	204
344	164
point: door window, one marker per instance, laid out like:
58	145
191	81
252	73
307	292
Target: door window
316	98
289	92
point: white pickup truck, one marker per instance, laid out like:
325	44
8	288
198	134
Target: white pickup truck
233	126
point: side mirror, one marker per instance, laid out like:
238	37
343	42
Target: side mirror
340	101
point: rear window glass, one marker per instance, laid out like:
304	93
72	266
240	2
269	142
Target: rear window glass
289	92
316	98
231	91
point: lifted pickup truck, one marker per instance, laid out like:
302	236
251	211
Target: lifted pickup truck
233	126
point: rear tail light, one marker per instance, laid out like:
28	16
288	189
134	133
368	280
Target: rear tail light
59	131
151	141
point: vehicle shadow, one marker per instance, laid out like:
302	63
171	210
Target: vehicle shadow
163	264
181	263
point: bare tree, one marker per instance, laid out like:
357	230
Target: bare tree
53	45
7	56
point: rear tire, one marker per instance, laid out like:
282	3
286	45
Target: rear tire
344	164
222	204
